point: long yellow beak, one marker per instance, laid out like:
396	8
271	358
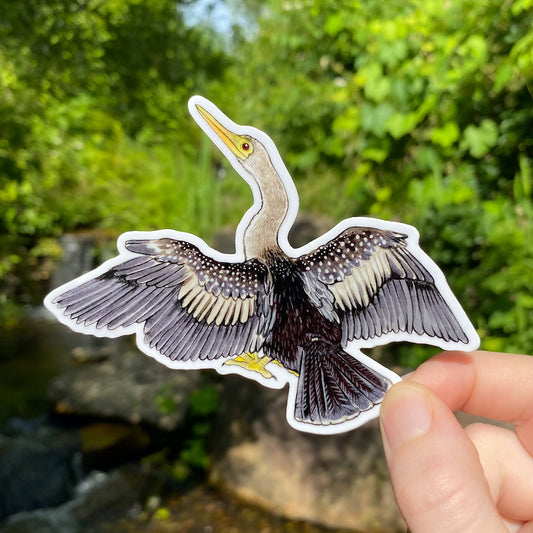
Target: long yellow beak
240	145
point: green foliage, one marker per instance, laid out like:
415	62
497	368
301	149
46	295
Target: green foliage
414	111
95	128
193	455
164	400
162	514
204	401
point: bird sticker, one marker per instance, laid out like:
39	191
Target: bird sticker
283	316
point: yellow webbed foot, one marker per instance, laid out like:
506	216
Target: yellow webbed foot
252	361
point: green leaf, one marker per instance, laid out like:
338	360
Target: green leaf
376	86
519	6
374	117
349	121
400	124
523	180
375	154
478	140
335	23
445	136
503	75
204	401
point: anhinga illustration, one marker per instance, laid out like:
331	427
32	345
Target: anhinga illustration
365	282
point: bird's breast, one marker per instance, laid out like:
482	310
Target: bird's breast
298	321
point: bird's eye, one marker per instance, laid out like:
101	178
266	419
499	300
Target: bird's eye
245	146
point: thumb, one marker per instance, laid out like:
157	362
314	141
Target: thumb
435	471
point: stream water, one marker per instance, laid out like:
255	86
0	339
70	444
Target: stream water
33	352
45	485
41	450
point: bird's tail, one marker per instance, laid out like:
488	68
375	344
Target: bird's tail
334	386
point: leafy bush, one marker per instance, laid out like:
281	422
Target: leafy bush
418	112
413	110
96	132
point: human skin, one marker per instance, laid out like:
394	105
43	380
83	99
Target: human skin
447	478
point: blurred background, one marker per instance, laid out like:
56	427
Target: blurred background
411	110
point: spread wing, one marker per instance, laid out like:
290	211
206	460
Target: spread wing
192	306
369	281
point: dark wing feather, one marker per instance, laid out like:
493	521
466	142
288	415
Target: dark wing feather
369	281
192	306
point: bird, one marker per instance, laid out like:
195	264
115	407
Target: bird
278	314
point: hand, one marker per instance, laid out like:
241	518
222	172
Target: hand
473	480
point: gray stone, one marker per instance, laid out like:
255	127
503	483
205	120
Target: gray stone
35	472
43	521
127	385
100	498
338	481
308	226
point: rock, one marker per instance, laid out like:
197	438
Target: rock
105	445
126	385
42	521
36	471
99	499
338	481
81	250
308	226
92	354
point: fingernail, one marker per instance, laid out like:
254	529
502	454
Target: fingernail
405	415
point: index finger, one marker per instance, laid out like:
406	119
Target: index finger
494	385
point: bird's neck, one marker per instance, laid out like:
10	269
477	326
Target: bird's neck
261	234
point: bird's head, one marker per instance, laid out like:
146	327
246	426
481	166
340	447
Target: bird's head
247	148
241	146
254	156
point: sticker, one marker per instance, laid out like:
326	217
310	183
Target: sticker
270	312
